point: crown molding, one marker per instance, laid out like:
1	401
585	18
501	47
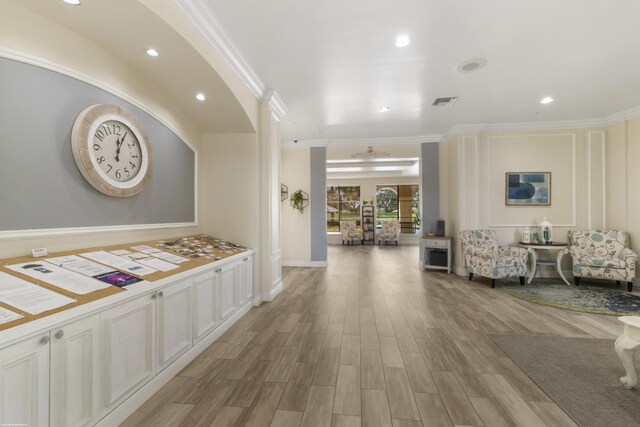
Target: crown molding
277	106
205	21
622	116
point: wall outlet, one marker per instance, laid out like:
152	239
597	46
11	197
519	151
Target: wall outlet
39	252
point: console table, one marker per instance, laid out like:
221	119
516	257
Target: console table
430	243
534	247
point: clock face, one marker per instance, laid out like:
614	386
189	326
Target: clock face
112	150
117	151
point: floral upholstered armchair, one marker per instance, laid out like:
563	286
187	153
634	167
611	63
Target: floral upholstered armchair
602	255
350	231
483	256
390	231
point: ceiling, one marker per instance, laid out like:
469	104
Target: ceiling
334	63
378	161
126	28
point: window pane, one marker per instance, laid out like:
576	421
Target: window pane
350	211
333	216
387	203
350	194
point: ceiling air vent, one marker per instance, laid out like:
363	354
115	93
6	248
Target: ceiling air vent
445	102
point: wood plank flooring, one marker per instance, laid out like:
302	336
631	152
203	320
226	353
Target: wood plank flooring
371	341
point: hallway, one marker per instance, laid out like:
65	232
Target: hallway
371	341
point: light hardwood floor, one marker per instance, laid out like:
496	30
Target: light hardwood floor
371	341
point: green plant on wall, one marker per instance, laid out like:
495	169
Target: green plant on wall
299	200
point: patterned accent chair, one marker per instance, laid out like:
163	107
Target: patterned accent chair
390	231
350	231
483	256
602	255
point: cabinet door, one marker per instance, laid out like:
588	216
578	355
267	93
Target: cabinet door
245	280
205	304
228	284
129	332
24	383
75	372
174	321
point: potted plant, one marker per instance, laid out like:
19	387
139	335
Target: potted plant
299	200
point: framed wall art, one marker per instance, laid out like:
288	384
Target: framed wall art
528	189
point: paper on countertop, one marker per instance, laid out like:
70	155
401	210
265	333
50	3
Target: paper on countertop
169	257
120	252
28	297
62	278
7	316
157	264
145	249
120	263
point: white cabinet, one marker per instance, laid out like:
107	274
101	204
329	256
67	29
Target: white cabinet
205	304
24	383
129	342
228	289
175	334
80	372
75	373
245	280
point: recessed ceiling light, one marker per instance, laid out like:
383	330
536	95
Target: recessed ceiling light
72	2
385	109
200	97
152	52
546	100
471	65
403	40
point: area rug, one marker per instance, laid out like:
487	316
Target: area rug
585	298
581	375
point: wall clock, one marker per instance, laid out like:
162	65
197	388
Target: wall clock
112	150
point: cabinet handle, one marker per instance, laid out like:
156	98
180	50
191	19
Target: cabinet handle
44	340
161	293
153	296
245	260
218	270
59	334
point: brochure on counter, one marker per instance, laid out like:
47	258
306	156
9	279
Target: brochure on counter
54	275
30	298
94	270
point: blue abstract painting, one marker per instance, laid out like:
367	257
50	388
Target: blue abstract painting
528	189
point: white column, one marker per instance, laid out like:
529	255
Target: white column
269	256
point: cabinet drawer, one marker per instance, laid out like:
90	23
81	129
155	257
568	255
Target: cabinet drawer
436	243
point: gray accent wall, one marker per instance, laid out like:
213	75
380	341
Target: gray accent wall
318	203
430	186
40	184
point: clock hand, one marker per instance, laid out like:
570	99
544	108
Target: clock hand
119	143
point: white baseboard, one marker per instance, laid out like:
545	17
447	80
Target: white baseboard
271	295
314	264
137	399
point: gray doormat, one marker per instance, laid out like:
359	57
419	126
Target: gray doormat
581	375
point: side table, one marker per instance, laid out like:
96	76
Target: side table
626	345
427	245
534	247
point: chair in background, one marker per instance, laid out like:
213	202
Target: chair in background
350	231
390	231
603	254
485	257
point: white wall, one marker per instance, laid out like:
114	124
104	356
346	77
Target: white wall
228	187
623	179
29	37
475	182
296	226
